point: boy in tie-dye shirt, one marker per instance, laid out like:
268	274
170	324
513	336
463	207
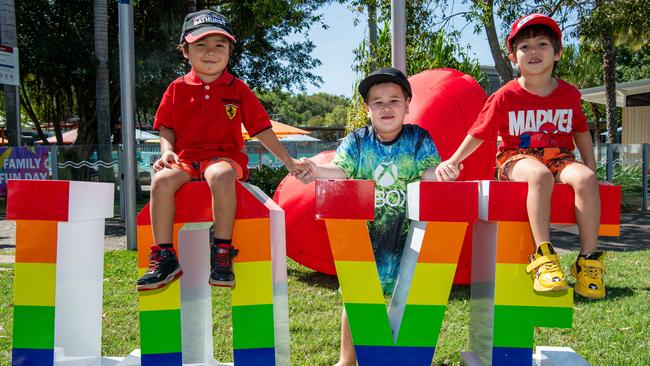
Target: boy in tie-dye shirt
393	155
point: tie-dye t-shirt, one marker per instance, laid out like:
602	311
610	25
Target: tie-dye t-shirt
392	165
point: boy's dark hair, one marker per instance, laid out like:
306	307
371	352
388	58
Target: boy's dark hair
537	30
385	75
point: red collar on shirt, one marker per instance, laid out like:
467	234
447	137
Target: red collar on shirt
191	78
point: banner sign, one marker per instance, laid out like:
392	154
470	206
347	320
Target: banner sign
22	163
9	65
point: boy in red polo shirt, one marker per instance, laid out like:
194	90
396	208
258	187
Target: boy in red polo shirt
200	118
539	118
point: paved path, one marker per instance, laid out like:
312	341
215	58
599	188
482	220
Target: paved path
635	235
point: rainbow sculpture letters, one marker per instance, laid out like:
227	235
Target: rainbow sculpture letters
59	261
176	321
59	270
504	308
408	333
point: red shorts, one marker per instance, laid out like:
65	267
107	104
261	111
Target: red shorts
555	159
196	169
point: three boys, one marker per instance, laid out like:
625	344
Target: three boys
537	116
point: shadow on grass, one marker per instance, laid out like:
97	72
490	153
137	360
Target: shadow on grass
460	292
612	293
315	279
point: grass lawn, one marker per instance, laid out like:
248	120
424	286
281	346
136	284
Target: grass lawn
614	331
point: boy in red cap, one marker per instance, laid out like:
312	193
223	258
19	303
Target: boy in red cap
539	118
199	118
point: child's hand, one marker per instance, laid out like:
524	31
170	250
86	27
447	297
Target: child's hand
309	172
165	161
295	166
448	171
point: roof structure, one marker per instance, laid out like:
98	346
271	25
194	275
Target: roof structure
280	129
630	94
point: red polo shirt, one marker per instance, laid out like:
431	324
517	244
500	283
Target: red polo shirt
207	117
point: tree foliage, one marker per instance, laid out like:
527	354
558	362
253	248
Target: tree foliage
319	109
56	59
486	14
632	64
428	45
601	25
58	64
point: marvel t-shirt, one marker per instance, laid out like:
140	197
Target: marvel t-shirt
526	120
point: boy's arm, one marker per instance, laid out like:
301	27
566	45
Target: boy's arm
430	173
586	148
167	139
450	169
271	142
325	171
167	156
329	171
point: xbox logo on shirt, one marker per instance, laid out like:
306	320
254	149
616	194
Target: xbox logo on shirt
386	174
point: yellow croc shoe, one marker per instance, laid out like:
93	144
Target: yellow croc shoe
545	269
588	271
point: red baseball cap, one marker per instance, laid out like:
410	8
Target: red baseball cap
533	19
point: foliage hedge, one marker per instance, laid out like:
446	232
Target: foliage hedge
267	178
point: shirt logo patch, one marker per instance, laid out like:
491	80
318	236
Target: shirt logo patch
386	174
231	110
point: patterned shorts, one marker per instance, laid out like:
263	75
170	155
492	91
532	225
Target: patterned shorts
555	159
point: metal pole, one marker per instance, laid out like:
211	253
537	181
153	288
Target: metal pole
127	97
120	180
609	167
54	161
644	176
398	41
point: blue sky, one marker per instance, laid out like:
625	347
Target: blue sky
334	48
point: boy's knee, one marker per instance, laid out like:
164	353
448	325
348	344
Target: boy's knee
542	177
161	183
586	179
222	174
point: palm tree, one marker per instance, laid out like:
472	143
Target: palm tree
583	68
102	93
101	77
502	64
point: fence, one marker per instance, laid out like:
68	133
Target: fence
622	164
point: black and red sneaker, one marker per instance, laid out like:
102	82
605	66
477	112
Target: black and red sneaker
163	269
221	273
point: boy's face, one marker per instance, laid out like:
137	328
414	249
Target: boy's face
387	106
208	56
535	56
